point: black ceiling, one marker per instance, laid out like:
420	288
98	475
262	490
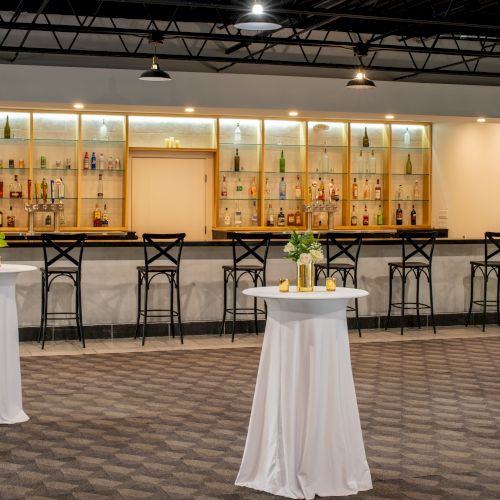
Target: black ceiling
452	41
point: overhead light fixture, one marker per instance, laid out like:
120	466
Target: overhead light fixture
155	74
360	81
189	110
257	20
389	117
481	120
293	113
78	105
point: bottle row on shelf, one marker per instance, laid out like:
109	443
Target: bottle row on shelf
92	162
238	217
376	218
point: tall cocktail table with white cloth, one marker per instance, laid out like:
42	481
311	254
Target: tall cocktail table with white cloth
304	436
11	402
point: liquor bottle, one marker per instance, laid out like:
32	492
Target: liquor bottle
314	191
416	191
100	187
237	134
270	216
103	132
331	191
86	162
11	219
380	216
43	162
366	217
378	190
408	166
282	189
355	189
105	218
325	161
1	189
48	220
413	216
1	218
336	196
110	162
97	216
267	188
237	161
361	162
281	218
290	219
354	217
101	162
399	215
93	161
67	164
15	188
366	140
399	192
21	163
282	162
239	188
118	165
321	190
366	190
1	163
52	191
60	189
298	189
44	188
227	217
372	163
298	217
6	129
223	189
254	220
11	163
253	188
407	138
237	215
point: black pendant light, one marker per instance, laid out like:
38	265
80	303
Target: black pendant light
360	81
257	20
155	74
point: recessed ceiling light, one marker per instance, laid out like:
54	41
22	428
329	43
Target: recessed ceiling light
78	105
481	120
189	109
389	117
293	113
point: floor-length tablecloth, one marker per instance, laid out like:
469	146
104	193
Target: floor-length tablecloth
304	436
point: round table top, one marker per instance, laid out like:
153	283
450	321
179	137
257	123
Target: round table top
16	268
320	293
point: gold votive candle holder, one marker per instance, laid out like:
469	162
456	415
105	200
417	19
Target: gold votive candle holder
284	285
331	284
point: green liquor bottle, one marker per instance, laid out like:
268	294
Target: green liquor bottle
237	161
408	166
366	140
380	217
282	162
6	129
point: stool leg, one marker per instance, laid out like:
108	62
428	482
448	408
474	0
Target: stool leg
223	326
403	286
472	275
179	319
235	286
46	302
391	275
355	282
498	298
172	286
485	294
139	294
417	300
40	331
146	294
77	311
79	315
431	297
255	319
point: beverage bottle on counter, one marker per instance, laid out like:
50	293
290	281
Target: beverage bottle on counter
408	166
416	191
110	162
406	138
254	220
44	188
101	162
270	216
281	218
298	217
366	217
93	162
354	217
237	215
372	163
282	189
86	162
227	217
378	190
321	190
282	162
237	161
6	129
399	215
413	216
11	219
237	134
223	189
15	188
313	195
253	188
355	189
97	216
366	140
325	161
380	216
100	187
290	219
298	189
366	190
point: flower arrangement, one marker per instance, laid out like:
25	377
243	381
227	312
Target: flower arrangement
3	243
303	248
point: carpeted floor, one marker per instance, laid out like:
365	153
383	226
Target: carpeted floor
173	424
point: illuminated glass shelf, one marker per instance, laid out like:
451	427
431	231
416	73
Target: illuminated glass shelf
13	140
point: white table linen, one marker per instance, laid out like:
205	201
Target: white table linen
11	403
304	436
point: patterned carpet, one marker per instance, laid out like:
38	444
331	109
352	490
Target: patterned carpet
172	424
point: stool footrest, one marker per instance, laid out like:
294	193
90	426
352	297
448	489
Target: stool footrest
410	305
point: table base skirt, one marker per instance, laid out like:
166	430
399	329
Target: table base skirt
17	419
304	436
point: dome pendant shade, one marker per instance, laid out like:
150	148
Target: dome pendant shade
360	81
257	22
155	74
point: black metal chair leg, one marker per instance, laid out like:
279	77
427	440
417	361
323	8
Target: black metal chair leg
255	319
145	324
77	310
498	298
472	275
172	286
356	307
235	286
79	315
179	319
431	299
223	326
485	295
46	299
417	300
391	275
139	300
403	286
42	315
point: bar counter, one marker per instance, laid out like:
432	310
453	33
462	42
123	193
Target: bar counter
110	282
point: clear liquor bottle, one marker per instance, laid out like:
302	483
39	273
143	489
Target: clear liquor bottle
15	188
298	189
237	216
354	217
282	189
101	162
372	163
325	161
416	191
366	190
237	134
254	220
223	189
270	216
407	138
100	187
355	189
227	217
11	218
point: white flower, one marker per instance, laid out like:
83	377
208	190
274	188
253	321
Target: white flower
289	247
305	258
316	255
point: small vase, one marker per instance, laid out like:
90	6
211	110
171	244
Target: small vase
305	277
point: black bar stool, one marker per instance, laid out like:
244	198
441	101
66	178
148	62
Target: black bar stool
156	246
246	246
418	244
54	252
342	247
486	267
